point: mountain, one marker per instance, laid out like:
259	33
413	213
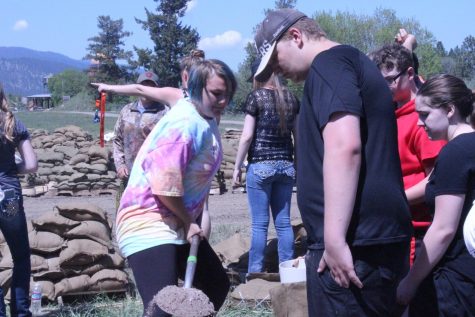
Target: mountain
22	70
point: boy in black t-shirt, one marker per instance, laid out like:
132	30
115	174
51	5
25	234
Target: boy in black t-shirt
350	190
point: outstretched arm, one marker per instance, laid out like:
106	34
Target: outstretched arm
166	95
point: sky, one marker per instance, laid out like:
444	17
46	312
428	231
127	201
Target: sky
225	26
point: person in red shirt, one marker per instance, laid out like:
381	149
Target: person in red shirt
417	152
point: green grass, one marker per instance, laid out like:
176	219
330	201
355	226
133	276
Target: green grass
50	121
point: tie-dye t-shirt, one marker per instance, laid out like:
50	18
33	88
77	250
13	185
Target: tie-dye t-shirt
179	158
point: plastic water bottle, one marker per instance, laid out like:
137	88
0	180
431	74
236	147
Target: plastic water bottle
36	299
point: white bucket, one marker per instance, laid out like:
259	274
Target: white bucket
292	274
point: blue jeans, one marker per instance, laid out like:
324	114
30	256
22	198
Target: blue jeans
269	184
16	235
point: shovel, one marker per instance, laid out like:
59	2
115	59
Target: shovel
186	301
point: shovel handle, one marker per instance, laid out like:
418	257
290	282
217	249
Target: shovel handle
191	262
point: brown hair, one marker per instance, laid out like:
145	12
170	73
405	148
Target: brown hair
307	26
392	56
7	121
282	104
444	90
191	59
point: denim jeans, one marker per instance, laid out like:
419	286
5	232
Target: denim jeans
16	235
269	184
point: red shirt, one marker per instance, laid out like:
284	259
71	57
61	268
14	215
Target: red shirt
416	152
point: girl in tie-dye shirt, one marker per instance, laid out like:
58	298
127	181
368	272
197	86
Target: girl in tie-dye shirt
168	185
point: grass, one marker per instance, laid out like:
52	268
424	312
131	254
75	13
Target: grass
50	121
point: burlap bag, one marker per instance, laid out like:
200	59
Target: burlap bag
5	280
38	263
97	151
108	261
79	158
53	272
80	252
93	230
256	289
81	211
289	300
45	242
72	285
108	280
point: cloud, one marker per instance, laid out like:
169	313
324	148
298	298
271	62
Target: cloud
191	5
227	39
20	25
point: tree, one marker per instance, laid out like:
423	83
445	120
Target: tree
106	50
67	83
172	41
368	33
464	58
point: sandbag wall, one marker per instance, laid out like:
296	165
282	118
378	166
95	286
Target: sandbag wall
70	163
223	179
72	253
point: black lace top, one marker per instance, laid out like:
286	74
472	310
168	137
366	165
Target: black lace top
269	142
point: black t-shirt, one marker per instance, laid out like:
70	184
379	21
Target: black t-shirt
454	174
269	142
342	79
8	168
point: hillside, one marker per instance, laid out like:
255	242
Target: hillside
22	70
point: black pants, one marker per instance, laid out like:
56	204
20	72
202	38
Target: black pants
162	265
380	268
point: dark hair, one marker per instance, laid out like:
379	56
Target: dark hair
393	56
444	90
201	72
7	121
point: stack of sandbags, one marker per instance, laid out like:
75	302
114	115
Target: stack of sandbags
230	142
72	252
71	163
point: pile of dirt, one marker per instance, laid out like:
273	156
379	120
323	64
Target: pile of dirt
180	302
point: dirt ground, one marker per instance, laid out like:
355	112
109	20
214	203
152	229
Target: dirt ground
229	211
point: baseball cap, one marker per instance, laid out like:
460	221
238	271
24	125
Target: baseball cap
254	67
269	32
150	76
469	231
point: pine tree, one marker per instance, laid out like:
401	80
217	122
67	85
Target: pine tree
105	50
172	41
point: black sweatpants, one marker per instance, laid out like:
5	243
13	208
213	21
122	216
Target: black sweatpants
162	265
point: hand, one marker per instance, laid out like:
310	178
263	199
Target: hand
123	172
406	39
192	230
237	178
406	291
340	263
100	86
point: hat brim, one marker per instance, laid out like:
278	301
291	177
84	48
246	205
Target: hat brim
264	71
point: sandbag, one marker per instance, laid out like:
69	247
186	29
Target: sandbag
256	289
54	222
38	263
79	158
81	252
81	211
232	249
93	230
108	280
72	285
6	262
5	280
290	300
97	151
108	261
45	242
53	272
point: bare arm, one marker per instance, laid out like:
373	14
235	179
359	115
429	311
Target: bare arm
244	143
29	162
341	168
416	193
448	209
166	95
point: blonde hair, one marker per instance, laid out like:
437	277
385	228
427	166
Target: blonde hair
7	121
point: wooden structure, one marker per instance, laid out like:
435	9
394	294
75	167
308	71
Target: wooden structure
39	101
